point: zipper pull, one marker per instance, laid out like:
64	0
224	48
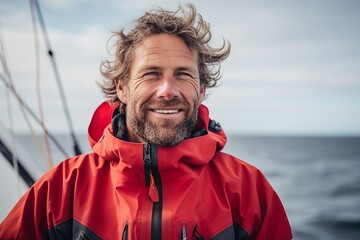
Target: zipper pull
147	163
149	179
153	191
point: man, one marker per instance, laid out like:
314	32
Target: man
156	170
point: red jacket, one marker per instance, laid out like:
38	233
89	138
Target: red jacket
126	190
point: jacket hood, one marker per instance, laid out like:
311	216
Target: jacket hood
195	151
99	121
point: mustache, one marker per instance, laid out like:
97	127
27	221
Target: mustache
167	103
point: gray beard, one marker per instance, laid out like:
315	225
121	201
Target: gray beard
148	132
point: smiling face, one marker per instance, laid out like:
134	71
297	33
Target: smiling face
163	92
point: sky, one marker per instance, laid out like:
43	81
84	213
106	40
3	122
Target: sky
294	68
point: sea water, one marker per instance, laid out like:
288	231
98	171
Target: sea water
317	178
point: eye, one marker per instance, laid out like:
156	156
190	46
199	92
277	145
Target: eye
184	75
151	74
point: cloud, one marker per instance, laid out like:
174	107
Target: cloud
78	57
288	69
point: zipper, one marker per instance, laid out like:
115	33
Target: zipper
125	233
153	181
147	163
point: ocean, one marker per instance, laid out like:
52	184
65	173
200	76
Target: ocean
317	178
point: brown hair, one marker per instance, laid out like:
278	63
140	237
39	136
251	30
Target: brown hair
189	25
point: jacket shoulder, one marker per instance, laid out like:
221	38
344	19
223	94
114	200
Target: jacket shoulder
234	168
72	165
254	203
50	200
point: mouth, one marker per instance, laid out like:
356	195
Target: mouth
166	111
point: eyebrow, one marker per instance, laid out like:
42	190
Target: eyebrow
186	68
181	68
149	67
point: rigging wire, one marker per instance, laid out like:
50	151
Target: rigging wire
11	84
8	103
32	114
38	90
14	158
57	77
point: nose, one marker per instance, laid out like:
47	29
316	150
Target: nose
168	88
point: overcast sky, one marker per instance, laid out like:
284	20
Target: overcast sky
294	67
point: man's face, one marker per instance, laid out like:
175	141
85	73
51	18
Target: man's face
163	92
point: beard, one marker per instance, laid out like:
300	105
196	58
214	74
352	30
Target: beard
163	132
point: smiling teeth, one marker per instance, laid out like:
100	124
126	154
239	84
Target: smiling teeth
166	111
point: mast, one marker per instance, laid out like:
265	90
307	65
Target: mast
76	146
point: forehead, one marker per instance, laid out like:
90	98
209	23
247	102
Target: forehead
161	47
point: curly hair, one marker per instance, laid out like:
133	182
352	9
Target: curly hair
189	25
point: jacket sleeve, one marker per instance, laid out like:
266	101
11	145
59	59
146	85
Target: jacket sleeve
45	204
258	209
27	220
274	223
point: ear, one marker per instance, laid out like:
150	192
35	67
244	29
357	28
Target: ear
202	93
121	90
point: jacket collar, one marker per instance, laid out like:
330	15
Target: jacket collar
195	151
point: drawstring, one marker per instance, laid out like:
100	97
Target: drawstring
196	234
183	233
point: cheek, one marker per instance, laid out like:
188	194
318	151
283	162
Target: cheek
192	93
138	97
